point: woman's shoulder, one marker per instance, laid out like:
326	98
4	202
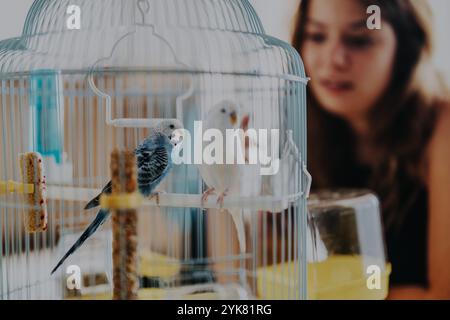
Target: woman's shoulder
441	134
438	152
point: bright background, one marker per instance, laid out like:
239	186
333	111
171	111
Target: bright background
276	15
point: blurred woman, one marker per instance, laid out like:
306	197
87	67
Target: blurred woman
379	118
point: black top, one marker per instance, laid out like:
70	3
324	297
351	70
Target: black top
407	245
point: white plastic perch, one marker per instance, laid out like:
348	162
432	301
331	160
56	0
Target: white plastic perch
269	203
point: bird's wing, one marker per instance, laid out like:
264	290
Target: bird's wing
144	149
96	201
153	166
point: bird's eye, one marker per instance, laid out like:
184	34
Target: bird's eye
223	111
172	126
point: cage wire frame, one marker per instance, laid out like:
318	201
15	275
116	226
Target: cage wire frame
225	52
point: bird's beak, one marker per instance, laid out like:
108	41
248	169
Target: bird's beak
233	118
176	138
245	122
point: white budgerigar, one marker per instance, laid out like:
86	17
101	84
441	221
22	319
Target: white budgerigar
224	179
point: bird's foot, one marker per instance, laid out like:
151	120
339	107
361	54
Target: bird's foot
156	195
221	198
206	195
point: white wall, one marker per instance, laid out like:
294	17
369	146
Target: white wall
276	16
12	17
442	29
272	12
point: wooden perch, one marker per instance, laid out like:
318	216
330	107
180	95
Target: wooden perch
124	228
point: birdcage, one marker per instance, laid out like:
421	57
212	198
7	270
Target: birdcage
84	84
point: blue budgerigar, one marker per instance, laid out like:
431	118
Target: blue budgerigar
153	160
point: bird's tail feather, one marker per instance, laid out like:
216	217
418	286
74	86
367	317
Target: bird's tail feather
238	219
93	203
96	201
101	217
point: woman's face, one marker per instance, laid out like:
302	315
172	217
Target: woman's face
350	66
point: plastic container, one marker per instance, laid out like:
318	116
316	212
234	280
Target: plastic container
347	251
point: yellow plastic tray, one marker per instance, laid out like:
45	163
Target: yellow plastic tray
337	278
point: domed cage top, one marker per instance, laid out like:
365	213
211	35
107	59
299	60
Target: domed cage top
90	77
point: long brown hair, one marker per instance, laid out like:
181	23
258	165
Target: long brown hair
402	122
